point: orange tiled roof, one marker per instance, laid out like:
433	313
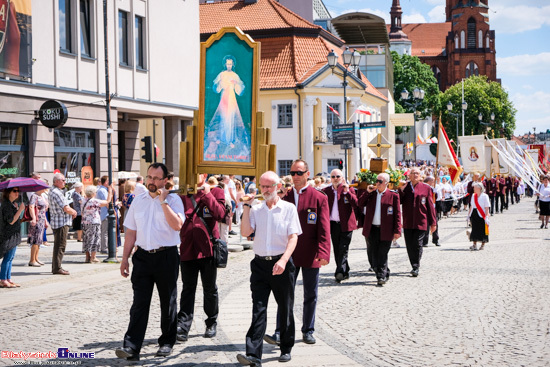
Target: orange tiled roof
263	15
428	37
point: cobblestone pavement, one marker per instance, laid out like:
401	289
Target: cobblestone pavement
483	308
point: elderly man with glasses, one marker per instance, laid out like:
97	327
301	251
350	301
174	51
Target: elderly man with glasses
382	224
61	217
342	202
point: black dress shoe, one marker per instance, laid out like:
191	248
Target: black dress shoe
127	353
381	281
339	277
437	244
182	335
210	331
233	233
164	350
370	269
414	272
285	357
273	340
246	360
308	338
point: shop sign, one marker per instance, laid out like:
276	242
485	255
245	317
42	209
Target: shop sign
72	178
9	171
53	114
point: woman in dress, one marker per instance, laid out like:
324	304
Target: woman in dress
129	195
480	207
10	233
544	201
91	221
77	205
240	194
38	224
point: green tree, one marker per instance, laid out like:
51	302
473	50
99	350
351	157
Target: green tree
410	73
482	97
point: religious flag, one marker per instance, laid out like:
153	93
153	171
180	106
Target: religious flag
446	155
333	110
472	151
362	109
420	140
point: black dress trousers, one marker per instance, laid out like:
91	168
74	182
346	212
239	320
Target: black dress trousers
150	269
262	283
189	275
340	244
379	250
414	238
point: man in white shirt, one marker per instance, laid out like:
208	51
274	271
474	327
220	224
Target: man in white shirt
152	224
277	227
140	187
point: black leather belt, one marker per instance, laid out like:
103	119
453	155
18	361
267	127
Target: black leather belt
269	258
162	248
374	225
333	221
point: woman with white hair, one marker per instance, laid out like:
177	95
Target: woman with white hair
479	209
91	221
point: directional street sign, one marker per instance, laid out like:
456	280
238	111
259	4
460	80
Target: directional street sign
343	134
372	125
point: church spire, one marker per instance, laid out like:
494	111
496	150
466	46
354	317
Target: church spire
396	31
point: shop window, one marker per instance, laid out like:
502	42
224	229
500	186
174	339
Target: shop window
13	152
73	149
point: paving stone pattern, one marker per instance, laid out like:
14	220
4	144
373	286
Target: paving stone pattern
484	308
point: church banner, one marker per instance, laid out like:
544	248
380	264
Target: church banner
499	166
472	152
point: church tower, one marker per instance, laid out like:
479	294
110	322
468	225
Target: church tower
471	42
399	41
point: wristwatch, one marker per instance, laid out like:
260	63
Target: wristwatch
164	202
248	205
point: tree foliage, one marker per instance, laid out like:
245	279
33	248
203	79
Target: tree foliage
482	97
410	73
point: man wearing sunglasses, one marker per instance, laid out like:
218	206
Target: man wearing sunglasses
313	248
382	224
418	216
342	202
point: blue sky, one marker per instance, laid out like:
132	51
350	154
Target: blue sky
522	47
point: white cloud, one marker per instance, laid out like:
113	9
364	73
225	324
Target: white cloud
523	65
533	111
527	86
436	2
437	14
518	18
413	18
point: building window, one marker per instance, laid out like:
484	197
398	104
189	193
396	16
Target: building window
471	33
140	42
332	164
284	115
376	74
487	44
332	118
456	41
85	28
123	38
472	69
284	167
462	39
480	39
65	26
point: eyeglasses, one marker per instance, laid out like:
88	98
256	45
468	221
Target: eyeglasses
299	173
154	178
379	181
15	191
268	186
335	176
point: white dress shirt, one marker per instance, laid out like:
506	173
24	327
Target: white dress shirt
377	220
140	189
334	213
146	217
273	226
297	195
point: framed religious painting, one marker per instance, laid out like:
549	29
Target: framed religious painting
228	102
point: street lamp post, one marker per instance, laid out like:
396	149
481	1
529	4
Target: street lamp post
457	115
418	97
486	124
349	59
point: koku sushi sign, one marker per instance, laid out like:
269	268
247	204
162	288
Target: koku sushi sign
53	114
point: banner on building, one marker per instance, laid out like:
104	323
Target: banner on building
472	152
16	37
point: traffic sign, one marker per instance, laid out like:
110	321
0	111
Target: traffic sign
372	125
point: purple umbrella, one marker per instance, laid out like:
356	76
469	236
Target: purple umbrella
25	184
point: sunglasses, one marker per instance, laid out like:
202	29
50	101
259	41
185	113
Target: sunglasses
15	191
335	176
379	181
299	173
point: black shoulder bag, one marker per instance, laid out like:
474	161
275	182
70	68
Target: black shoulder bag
219	247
